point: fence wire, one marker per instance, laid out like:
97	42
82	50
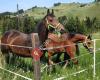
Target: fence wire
46	65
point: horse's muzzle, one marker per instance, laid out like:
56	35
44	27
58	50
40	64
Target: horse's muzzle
91	50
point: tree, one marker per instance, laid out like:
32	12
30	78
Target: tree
21	11
57	4
97	0
29	25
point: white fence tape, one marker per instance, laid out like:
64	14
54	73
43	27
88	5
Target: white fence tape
61	78
78	72
94	58
94	64
94	73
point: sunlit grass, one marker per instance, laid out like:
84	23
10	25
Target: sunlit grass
72	9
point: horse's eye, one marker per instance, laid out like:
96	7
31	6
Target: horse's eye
51	20
89	43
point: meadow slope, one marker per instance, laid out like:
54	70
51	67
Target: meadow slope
71	9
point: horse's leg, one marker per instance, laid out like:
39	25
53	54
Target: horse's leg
2	60
5	52
77	49
12	57
4	46
9	56
43	57
58	57
50	62
71	52
66	59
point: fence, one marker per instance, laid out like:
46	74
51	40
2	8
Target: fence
94	61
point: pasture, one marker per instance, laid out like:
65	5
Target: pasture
82	71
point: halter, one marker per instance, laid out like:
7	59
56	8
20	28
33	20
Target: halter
89	48
56	28
49	25
85	39
86	42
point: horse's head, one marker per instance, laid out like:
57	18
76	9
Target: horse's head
88	44
51	23
48	24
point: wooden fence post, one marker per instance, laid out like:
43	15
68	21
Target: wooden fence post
36	57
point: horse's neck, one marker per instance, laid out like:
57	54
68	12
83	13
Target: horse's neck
42	32
78	38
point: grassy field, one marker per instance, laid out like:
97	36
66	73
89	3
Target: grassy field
23	66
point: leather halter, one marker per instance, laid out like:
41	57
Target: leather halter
49	25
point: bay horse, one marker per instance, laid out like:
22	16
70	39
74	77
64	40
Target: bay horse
14	37
68	46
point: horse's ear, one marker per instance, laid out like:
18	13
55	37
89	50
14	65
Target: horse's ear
48	11
52	12
90	36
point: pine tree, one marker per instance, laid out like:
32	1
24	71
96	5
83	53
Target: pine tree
97	0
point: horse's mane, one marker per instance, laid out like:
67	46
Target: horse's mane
71	35
42	31
41	28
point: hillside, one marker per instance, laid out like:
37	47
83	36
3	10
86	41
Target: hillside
71	9
90	10
65	9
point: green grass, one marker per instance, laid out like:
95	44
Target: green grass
21	66
36	12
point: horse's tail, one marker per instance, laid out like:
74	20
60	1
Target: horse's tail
77	49
4	47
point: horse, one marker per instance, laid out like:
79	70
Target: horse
80	38
14	37
68	46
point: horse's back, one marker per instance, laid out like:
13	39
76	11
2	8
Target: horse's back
8	34
14	37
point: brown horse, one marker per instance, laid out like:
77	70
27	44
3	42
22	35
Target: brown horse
14	37
68	45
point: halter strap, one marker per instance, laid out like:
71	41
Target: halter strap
57	25
52	25
47	21
85	39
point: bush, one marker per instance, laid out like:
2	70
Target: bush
80	26
24	24
57	4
